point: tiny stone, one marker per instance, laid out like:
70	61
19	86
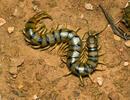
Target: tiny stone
113	96
2	21
82	16
99	81
117	37
76	93
0	97
88	6
35	8
10	29
18	12
35	97
0	65
13	70
126	63
127	43
38	77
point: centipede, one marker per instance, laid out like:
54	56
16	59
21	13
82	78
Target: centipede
37	35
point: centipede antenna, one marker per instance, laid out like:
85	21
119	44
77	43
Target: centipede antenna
88	29
97	33
115	29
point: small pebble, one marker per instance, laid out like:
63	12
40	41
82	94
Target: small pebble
38	77
2	21
126	63
0	97
0	65
99	81
76	93
13	70
82	16
113	96
35	8
35	97
117	37
10	29
88	6
18	12
127	43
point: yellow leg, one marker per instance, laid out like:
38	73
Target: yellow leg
53	47
92	80
62	47
99	69
69	73
63	60
81	80
57	27
24	31
101	62
44	32
65	25
42	49
77	29
35	47
99	47
26	39
40	26
101	53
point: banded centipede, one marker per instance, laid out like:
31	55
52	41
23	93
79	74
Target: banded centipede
38	37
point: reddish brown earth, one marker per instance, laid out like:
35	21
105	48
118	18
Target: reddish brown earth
28	74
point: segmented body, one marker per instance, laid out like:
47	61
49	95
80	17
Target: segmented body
68	36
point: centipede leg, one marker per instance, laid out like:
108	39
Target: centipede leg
27	40
53	47
57	27
92	80
62	47
81	80
101	53
77	29
67	74
99	69
40	26
36	47
101	62
63	60
99	47
42	15
42	49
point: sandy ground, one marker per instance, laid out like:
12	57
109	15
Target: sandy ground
28	74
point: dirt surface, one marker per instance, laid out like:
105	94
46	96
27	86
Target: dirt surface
28	74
